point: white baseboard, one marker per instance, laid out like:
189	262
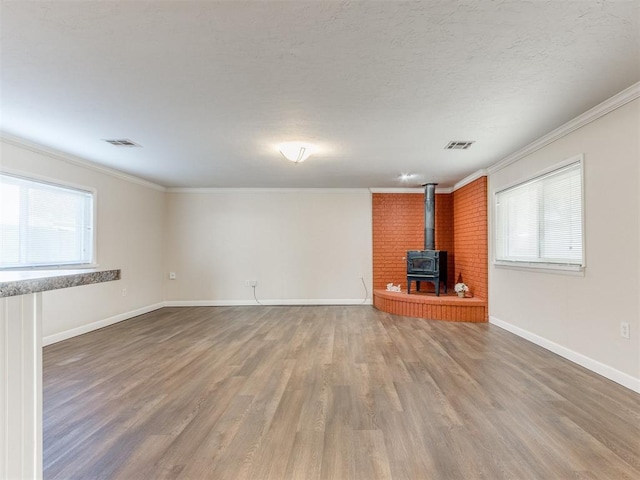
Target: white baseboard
270	302
606	371
58	337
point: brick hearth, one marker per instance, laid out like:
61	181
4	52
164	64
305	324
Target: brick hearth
445	307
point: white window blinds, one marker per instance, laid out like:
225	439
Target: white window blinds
540	221
43	224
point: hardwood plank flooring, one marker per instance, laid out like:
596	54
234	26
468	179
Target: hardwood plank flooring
326	392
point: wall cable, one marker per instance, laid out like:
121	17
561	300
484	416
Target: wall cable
366	290
254	295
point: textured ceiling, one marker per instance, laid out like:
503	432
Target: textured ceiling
210	88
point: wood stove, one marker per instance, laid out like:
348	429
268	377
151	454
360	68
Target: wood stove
428	265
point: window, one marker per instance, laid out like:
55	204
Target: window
539	222
43	224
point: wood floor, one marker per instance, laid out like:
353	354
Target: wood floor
326	392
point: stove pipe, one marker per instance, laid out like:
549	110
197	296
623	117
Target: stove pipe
429	216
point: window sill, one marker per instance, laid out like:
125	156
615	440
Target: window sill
67	266
573	270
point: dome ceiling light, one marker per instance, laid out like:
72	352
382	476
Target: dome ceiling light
296	151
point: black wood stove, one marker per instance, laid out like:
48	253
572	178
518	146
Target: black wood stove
428	265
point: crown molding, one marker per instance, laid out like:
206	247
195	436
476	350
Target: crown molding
470	178
221	190
625	96
77	161
419	190
396	190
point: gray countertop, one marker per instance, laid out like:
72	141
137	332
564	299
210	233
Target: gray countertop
22	282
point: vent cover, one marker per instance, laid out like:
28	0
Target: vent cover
123	142
458	145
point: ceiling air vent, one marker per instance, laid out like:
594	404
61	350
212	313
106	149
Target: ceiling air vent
458	145
123	142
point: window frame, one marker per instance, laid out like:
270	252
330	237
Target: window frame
553	267
94	227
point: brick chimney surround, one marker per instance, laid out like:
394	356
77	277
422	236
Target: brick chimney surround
460	229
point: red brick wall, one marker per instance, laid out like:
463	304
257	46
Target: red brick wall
461	230
470	236
445	234
398	226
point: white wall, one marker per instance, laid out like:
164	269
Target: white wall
302	246
130	228
579	316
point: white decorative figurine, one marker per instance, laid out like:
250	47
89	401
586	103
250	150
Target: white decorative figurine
461	289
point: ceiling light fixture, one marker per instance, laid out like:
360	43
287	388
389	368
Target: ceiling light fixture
296	151
406	176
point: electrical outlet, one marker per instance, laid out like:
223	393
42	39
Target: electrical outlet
172	275
361	275
624	330
250	283
124	292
